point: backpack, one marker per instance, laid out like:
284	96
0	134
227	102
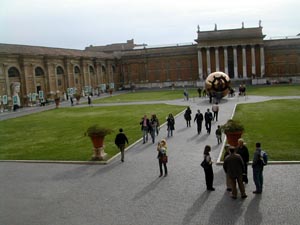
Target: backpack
264	157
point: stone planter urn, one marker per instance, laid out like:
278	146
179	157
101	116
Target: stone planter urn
233	130
97	135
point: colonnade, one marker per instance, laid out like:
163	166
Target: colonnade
206	52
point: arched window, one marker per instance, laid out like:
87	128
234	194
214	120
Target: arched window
76	70
39	71
91	70
13	72
103	69
59	70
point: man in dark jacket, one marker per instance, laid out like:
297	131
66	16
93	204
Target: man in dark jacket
234	168
208	118
258	167
242	150
199	118
120	141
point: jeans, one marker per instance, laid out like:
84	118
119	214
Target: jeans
160	167
170	132
258	178
145	134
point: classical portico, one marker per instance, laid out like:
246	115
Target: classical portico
237	52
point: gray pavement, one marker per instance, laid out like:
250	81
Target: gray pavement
131	192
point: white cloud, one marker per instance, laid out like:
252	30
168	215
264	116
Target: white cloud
77	23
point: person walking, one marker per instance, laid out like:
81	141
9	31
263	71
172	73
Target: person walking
199	119
219	134
208	118
121	141
258	166
170	124
188	116
215	110
226	154
242	150
162	157
71	100
234	168
152	129
154	120
90	100
145	124
208	170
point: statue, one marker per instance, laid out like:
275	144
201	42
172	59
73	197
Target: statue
259	23
243	25
198	27
15	89
217	85
215	26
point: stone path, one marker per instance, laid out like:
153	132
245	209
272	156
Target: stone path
131	193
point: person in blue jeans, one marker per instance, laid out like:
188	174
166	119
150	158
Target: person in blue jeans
258	167
145	125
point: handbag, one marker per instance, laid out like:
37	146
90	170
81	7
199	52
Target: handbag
204	164
164	159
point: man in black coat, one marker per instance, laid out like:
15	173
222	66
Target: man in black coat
242	150
199	118
208	118
120	141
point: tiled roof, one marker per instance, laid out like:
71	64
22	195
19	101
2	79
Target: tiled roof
44	51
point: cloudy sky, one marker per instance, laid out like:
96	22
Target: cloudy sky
80	23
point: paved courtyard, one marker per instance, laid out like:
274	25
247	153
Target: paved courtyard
131	193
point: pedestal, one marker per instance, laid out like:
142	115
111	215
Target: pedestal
99	154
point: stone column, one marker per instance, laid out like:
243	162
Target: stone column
208	61
244	62
262	61
217	59
5	72
235	62
253	59
200	65
34	79
226	59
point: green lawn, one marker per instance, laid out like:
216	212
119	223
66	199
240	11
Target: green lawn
149	95
273	123
274	90
167	94
58	134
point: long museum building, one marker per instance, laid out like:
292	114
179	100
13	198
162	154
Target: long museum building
243	53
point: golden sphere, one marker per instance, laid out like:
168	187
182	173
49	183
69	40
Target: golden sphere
217	84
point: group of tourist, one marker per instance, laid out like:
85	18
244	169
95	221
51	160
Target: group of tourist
235	165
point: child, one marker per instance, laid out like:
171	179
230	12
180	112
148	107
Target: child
219	134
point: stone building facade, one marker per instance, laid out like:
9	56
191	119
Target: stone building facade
242	53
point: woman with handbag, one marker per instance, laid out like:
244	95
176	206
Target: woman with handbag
207	166
162	157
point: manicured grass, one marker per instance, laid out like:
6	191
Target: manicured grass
148	95
58	134
167	94
274	90
273	123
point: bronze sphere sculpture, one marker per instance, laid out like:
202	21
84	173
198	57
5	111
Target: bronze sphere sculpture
217	84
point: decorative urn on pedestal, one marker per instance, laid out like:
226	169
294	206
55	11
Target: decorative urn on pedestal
97	135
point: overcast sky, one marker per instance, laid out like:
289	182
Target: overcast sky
80	23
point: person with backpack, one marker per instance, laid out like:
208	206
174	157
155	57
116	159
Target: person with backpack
258	163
